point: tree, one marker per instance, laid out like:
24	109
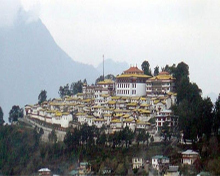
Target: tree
100	78
84	81
145	66
15	113
216	120
156	71
152	139
110	76
169	69
1	117
42	96
64	91
76	87
180	72
205	117
52	136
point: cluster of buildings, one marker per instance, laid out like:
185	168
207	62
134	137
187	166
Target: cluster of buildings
162	164
131	100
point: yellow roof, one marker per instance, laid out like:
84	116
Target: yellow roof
125	98
128	120
135	98
115	98
119	115
132	104
80	114
111	102
144	105
105	95
156	101
106	81
142	122
162	77
107	115
133	75
58	114
96	107
143	99
145	111
99	120
116	121
126	116
87	100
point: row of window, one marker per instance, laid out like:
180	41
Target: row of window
125	92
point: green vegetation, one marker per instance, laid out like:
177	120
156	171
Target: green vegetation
100	78
22	151
145	66
1	117
15	113
156	70
76	87
42	96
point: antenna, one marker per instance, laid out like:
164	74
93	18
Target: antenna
103	68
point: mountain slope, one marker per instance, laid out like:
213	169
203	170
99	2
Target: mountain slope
31	61
112	67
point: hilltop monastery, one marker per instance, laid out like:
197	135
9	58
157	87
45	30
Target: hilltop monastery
132	100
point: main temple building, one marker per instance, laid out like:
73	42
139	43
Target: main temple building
131	82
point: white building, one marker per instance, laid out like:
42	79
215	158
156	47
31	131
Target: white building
137	162
162	83
170	119
159	160
131	83
189	157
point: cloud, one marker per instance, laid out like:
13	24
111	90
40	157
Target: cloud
32	8
8	12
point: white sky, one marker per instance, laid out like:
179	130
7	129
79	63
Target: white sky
162	32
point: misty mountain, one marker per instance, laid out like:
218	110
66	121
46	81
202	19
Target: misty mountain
112	67
30	61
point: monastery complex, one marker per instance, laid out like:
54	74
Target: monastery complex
132	100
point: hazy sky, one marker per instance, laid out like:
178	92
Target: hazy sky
162	32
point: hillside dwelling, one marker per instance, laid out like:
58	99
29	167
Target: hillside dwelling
137	162
130	123
100	122
108	118
131	82
62	119
142	125
166	112
162	83
44	172
97	110
159	106
108	84
159	160
145	106
111	104
121	105
84	168
189	157
172	171
99	91
88	91
116	125
161	119
28	109
89	120
81	117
